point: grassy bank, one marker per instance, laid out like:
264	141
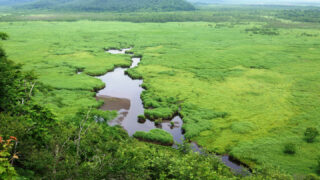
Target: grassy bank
155	135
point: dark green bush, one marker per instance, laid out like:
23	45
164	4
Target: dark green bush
263	31
310	134
290	148
4	36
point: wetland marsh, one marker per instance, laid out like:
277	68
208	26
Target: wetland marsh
245	88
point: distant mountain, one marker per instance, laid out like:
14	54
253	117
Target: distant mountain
258	2
13	2
111	5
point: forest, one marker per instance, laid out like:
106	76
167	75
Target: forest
243	80
106	5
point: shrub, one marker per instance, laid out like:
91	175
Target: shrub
290	148
184	147
155	135
4	36
6	169
310	134
311	177
263	31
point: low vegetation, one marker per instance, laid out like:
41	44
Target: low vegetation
155	135
263	31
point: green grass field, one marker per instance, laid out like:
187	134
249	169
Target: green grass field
240	93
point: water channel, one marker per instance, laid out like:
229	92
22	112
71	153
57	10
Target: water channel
122	94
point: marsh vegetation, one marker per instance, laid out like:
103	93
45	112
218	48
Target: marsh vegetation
244	81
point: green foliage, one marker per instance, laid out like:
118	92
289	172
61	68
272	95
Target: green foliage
111	5
4	36
263	31
269	172
266	85
6	169
155	135
184	147
309	15
311	177
290	148
310	134
21	117
218	15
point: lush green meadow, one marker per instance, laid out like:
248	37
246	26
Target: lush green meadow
242	91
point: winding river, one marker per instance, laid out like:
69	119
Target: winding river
122	94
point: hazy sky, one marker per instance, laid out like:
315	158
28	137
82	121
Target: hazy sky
261	1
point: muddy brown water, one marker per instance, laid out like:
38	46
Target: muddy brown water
121	93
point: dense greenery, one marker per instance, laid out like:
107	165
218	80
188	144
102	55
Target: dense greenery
240	89
6	169
34	144
83	146
155	135
310	15
218	15
110	5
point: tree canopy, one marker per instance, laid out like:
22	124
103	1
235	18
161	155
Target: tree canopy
111	5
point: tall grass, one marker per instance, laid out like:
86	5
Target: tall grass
155	135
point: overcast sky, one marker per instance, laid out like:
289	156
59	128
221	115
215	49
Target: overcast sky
261	1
